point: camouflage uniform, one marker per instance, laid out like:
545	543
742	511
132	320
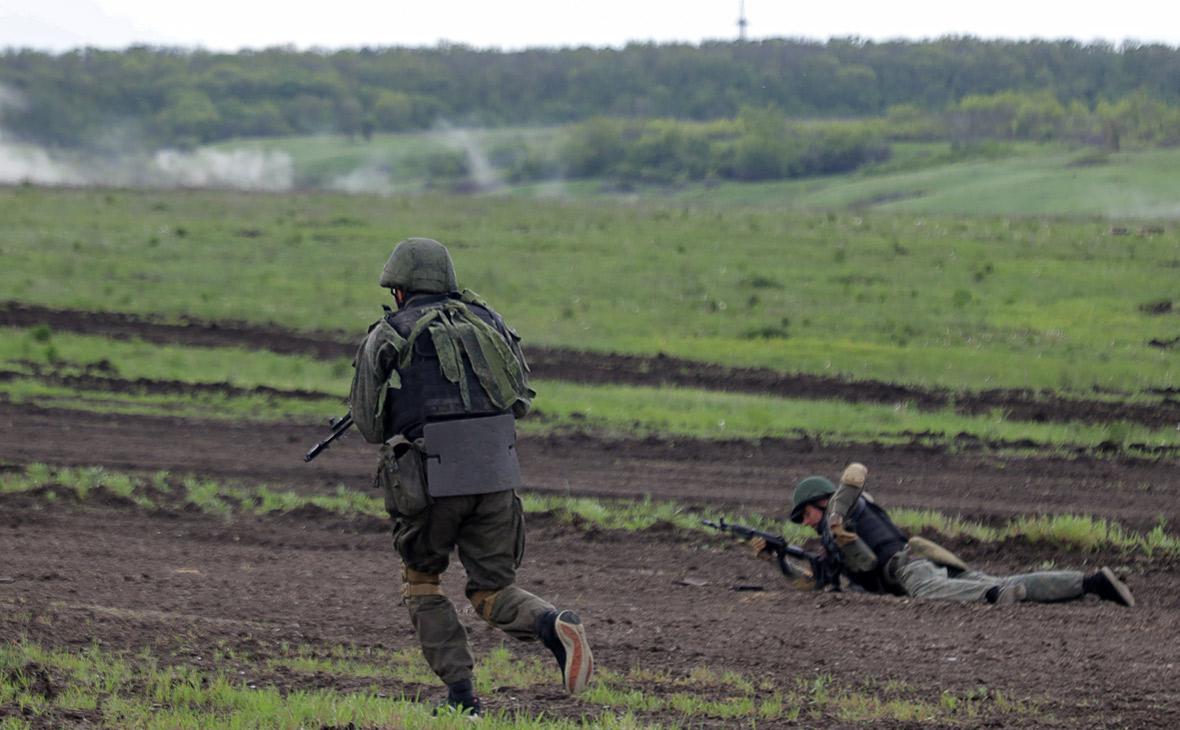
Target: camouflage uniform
879	558
446	357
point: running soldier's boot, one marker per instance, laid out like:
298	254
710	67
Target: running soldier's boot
461	697
562	633
1106	586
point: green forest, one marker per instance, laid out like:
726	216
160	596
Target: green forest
765	110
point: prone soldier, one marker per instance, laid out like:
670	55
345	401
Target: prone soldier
879	558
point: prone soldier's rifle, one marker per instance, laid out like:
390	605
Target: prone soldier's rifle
824	571
340	427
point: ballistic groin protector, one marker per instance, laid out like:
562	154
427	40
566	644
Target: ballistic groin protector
471	456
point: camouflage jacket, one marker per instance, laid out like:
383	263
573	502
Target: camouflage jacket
470	349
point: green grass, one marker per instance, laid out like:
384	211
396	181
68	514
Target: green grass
1023	180
214	406
1085	533
999	178
77	354
961	302
125	691
709	414
622	410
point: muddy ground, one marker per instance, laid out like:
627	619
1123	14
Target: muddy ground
188	586
758	474
183	584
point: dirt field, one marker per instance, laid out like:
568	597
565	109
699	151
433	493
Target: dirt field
185	584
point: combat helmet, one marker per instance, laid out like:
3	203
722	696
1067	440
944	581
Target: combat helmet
421	265
811	489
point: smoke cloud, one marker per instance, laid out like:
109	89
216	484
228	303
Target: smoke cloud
479	167
115	160
369	178
204	168
236	169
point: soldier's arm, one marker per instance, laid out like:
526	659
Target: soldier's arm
375	371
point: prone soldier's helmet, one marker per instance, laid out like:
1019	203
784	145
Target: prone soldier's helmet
811	489
420	264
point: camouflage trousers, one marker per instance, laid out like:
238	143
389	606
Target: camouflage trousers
488	532
922	578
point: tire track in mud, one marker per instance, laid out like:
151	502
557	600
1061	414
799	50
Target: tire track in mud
610	368
732	475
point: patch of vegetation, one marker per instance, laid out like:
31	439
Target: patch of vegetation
139	691
670	411
236	383
163	490
22	351
672	276
206	405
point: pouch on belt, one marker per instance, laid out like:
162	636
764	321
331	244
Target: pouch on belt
471	456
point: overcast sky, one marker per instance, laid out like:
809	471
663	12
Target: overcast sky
510	24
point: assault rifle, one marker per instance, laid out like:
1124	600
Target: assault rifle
340	427
824	571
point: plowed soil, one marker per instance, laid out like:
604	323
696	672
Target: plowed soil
183	585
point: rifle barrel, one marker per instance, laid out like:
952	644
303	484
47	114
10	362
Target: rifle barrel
339	428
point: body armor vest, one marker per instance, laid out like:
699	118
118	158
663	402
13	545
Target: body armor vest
873	526
425	394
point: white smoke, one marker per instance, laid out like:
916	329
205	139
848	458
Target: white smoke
10	99
482	173
370	178
115	160
26	164
235	169
203	168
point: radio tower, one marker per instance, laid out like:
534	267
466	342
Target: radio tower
742	20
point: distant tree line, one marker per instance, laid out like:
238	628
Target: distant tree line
953	86
760	144
763	144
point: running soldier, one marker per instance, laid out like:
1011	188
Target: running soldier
439	383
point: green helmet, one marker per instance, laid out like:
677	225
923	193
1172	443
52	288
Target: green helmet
811	489
420	264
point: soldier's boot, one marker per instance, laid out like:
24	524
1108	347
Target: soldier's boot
461	699
1006	594
562	633
1106	586
854	475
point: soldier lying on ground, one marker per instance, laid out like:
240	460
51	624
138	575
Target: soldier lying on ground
878	557
440	383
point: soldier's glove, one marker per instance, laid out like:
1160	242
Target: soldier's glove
760	550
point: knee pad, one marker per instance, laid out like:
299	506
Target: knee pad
416	583
484	603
